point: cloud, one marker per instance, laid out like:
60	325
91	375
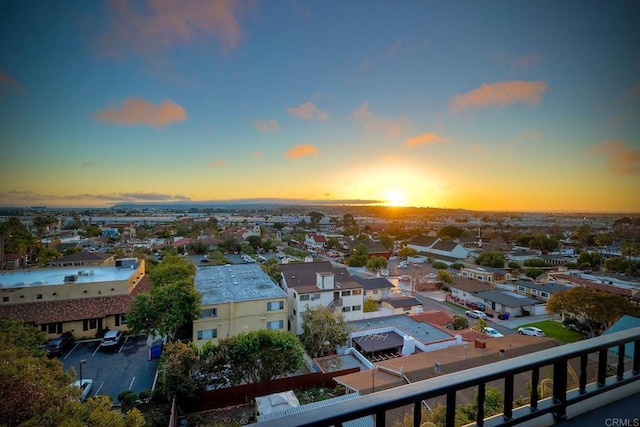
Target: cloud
87	164
217	163
14	197
308	111
136	111
256	153
265	126
424	139
633	92
301	150
621	158
143	28
394	48
501	94
522	62
381	125
10	82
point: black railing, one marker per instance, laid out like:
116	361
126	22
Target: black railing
447	386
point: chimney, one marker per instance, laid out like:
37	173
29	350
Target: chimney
325	281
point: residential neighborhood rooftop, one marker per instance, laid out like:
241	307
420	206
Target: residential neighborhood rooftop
56	276
238	282
421	331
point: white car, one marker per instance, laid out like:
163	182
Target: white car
476	314
530	330
492	333
85	387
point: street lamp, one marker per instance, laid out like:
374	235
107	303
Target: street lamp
82	362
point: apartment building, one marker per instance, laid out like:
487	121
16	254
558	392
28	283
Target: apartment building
235	299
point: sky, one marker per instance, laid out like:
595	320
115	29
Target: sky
491	106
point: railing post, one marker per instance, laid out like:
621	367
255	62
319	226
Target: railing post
560	390
508	397
602	368
417	414
451	409
584	360
636	357
535	379
481	398
620	368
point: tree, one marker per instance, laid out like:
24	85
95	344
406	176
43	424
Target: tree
262	355
272	268
387	242
322	330
459	322
360	256
594	308
315	218
407	252
370	305
533	272
450	232
165	309
376	263
255	242
629	248
444	276
490	259
176	370
333	243
172	268
583	235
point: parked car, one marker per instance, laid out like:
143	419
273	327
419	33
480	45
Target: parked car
476	314
492	332
530	330
476	306
58	346
111	339
85	387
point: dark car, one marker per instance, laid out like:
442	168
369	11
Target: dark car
58	346
111	339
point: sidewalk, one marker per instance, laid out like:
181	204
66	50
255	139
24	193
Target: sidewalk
514	322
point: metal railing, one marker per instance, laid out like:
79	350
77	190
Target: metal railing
446	386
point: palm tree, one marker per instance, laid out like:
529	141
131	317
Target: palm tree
629	248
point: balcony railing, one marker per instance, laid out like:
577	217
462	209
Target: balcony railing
336	303
538	412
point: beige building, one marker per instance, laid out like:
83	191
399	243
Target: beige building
83	301
235	299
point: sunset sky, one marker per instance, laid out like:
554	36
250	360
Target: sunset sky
500	105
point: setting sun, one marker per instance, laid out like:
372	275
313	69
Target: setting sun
394	197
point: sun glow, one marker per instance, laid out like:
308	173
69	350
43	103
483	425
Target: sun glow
395	197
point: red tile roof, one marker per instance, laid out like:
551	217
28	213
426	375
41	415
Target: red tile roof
74	309
433	317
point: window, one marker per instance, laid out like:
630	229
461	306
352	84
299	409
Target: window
346	309
544	294
121	319
88	324
346	293
275	305
5	299
357	307
480	277
375	292
357	292
52	328
304	297
534	291
522	289
276	324
209	312
207	334
315	297
39	296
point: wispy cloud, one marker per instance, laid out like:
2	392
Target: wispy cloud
158	24
379	124
308	111
394	48
633	92
217	163
265	126
424	139
256	153
31	197
620	157
136	111
7	81
523	62
87	164
500	94
302	150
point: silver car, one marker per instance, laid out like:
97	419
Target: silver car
111	339
530	330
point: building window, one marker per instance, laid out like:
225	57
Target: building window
480	277
357	292
315	297
275	305
54	328
534	291
357	307
544	294
39	296
294	311
209	312
5	299
207	334
489	278
304	297
121	319
276	324
375	292
346	293
346	309
522	289
406	309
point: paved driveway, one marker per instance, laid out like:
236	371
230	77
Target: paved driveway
124	368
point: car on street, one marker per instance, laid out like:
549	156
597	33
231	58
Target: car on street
476	314
58	346
111	339
492	332
530	330
84	385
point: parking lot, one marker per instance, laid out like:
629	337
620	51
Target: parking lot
126	367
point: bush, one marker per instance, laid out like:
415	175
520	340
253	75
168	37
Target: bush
127	399
146	394
439	265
